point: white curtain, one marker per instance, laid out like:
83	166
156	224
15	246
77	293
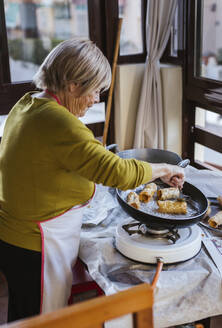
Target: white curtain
149	125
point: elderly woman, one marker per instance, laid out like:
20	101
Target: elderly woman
49	164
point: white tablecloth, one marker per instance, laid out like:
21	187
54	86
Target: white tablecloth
185	292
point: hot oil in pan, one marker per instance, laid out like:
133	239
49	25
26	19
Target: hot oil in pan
151	207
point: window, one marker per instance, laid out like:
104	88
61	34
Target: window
209	120
133	33
174	35
131	38
202	111
35	27
202	154
209	45
211	123
175	47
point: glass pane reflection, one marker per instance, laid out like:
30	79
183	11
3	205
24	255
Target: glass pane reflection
209	120
209	41
131	34
34	27
213	123
208	156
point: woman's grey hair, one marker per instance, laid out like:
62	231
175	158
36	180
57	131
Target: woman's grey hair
78	61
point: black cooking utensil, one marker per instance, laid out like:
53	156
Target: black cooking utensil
155	220
151	155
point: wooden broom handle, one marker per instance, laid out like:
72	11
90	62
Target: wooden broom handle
110	96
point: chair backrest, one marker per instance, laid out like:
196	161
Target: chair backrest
93	313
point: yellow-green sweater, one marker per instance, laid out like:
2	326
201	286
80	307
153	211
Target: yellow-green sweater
49	162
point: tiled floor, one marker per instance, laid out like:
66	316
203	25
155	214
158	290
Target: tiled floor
3	300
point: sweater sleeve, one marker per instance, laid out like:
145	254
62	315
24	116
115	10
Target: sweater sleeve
76	149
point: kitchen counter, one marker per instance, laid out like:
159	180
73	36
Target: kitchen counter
185	292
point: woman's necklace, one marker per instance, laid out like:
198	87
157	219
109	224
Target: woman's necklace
53	96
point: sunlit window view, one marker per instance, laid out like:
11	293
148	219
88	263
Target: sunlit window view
206	155
174	35
213	123
211	40
34	27
131	34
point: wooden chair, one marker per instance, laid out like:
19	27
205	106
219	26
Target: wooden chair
93	313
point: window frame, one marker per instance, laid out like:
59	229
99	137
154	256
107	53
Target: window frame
198	81
4	62
198	92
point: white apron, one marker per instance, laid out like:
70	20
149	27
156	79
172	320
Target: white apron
60	238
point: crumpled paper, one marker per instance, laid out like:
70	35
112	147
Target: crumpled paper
102	200
209	182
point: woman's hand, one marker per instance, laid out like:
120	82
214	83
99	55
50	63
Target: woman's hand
173	175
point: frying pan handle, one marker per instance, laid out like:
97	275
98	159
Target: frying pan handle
184	163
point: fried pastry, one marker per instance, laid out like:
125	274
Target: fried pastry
168	193
172	207
216	220
147	193
133	199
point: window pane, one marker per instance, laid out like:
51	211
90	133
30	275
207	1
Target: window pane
35	27
209	120
213	123
209	41
131	34
207	155
95	114
174	35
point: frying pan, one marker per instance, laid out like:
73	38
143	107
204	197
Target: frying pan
154	219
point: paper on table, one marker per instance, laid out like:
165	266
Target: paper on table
214	248
98	208
209	182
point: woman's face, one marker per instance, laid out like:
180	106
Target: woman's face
90	100
82	104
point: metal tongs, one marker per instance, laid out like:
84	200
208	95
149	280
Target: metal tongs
184	163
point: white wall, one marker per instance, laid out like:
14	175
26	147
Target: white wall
171	77
127	92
